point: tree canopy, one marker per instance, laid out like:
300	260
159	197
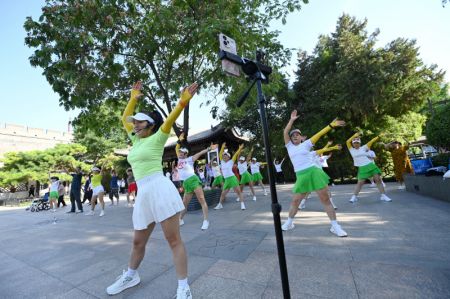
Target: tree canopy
92	51
39	165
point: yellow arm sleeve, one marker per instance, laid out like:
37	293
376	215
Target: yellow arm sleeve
222	149
236	154
172	117
319	134
327	149
369	144
177	149
349	141
129	110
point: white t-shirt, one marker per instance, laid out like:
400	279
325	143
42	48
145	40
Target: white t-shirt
371	155
227	168
54	186
323	160
216	170
278	166
254	167
300	155
185	168
242	167
360	156
201	174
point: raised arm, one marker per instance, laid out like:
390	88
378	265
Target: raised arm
237	153
135	95
178	146
335	123
349	141
371	142
249	156
222	149
201	153
288	127
337	147
186	96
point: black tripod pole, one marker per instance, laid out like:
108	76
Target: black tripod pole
276	207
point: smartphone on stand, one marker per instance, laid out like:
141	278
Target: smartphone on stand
229	45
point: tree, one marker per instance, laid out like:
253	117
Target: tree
347	76
92	51
437	129
20	167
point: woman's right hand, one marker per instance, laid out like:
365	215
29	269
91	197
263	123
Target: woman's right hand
136	90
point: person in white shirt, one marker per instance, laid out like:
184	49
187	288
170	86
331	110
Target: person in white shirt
246	177
191	182
218	177
256	174
309	176
231	181
279	171
366	166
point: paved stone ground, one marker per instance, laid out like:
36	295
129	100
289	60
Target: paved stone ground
394	250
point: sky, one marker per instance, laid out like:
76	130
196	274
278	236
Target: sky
28	99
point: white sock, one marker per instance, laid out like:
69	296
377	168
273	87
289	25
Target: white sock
289	221
333	222
182	283
131	272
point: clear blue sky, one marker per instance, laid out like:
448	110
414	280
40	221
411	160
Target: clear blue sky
28	99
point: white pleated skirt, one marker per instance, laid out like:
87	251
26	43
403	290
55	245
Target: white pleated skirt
157	199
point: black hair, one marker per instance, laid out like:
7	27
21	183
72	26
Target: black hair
157	117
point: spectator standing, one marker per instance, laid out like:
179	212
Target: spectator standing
75	191
114	187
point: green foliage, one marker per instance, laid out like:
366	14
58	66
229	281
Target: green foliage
92	51
347	76
19	167
97	147
443	159
438	125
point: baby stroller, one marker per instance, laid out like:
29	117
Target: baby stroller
40	204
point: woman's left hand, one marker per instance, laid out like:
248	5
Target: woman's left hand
188	93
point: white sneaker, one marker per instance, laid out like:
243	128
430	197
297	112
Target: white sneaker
353	199
205	225
242	206
254	198
90	213
338	231
402	187
123	282
238	199
102	213
265	193
184	293
286	227
219	206
332	203
181	222
373	185
302	205
384	197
